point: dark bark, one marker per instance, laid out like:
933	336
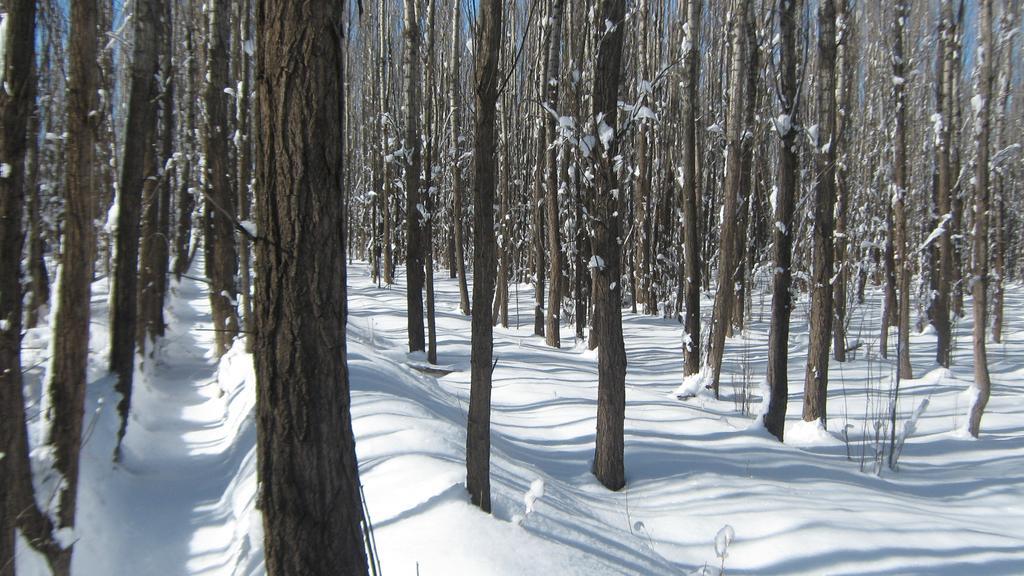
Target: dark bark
899	171
846	29
186	201
220	215
689	192
138	180
551	174
71	325
312	512
413	225
820	337
16	105
609	465
486	76
788	12
943	92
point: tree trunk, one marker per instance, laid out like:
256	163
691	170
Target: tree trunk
787	127
816	375
71	325
219	228
185	197
414	235
606	237
554	313
733	188
941	303
244	162
982	386
689	194
312	512
427	193
457	195
138	180
845	64
486	76
16	105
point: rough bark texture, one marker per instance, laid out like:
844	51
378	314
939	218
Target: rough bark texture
414	235
788	12
982	384
185	198
728	254
138	179
478	434
219	223
820	337
554	312
16	105
71	326
688	179
609	465
426	193
312	512
243	157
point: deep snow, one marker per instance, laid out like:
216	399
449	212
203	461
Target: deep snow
182	500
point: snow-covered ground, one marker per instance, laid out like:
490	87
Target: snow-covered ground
182	500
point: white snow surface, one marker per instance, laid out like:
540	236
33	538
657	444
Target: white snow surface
706	484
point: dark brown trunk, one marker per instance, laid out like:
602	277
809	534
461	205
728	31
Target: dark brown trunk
312	512
138	182
457	194
820	337
220	215
71	324
787	128
413	225
689	192
554	312
486	76
609	467
16	104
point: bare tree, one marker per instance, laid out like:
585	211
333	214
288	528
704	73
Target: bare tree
457	194
899	190
411	148
982	119
787	125
138	179
220	211
605	222
816	375
552	85
944	184
71	325
728	256
312	512
478	434
688	180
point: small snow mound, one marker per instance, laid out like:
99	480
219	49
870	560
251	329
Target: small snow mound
694	385
804	433
535	493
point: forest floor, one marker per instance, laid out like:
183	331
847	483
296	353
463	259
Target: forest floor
826	502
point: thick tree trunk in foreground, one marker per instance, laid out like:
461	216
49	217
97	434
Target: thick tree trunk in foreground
982	385
478	434
816	374
609	467
787	128
312	512
16	104
71	326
